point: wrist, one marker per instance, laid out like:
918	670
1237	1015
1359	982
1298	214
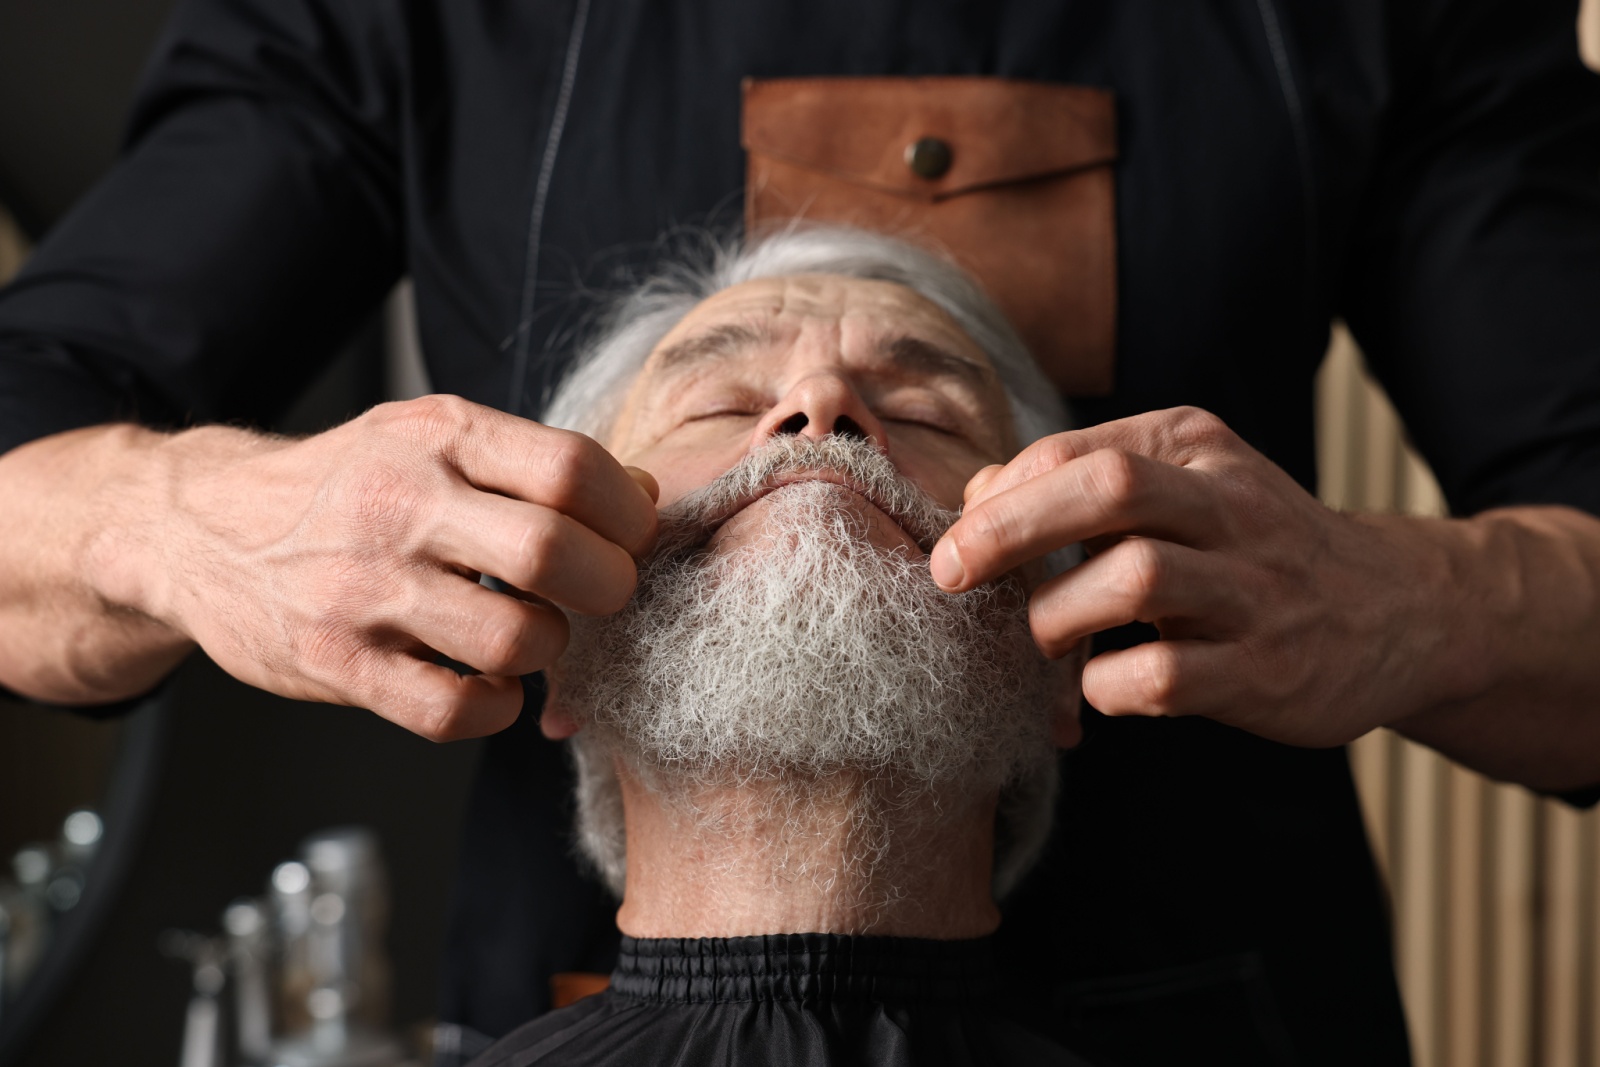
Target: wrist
1475	616
147	514
119	556
1445	600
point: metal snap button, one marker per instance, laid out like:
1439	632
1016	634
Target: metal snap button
928	158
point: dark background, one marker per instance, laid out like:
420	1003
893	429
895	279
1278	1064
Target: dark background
239	776
67	72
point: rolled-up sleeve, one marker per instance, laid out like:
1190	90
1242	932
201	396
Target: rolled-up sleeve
251	224
1474	280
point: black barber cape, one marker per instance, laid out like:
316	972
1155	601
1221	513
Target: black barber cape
796	1000
1427	169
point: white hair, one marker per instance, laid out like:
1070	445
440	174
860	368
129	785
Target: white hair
590	396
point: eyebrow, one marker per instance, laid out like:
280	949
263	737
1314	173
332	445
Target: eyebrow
907	353
718	342
918	356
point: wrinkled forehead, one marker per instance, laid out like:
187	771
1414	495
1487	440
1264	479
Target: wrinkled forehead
866	313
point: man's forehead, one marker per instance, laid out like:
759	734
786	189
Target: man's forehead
770	309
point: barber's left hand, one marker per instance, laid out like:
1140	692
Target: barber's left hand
1276	613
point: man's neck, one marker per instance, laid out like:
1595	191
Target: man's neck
752	861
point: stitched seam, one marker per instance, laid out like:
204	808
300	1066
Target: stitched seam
541	198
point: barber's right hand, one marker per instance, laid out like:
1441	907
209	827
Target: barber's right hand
336	567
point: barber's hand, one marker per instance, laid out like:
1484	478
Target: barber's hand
334	567
1276	613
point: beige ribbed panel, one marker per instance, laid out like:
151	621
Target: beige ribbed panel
1560	1015
1494	890
1514	941
1465	1027
1589	32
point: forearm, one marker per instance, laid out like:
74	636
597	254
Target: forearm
1513	659
82	560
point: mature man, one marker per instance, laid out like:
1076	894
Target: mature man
1242	171
795	751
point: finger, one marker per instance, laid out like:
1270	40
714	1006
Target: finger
1166	678
538	550
437	703
556	722
490	632
1066	730
976	483
557	469
1179	436
1105	492
1066	722
1139	579
646	480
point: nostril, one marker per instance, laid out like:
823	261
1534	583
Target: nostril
793	424
845	426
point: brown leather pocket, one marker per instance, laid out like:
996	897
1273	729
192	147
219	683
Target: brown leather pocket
1012	178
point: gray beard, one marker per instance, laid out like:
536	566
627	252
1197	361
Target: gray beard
808	658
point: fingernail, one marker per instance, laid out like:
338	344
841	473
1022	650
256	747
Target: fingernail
946	565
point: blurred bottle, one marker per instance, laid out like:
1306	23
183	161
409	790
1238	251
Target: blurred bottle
249	958
291	914
333	983
47	880
352	885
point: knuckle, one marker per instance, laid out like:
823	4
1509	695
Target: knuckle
329	651
432	419
539	637
1116	478
525	640
566	466
317	645
1198	427
1144	570
990	529
1048	453
1157	681
444	713
538	552
1045	628
507	644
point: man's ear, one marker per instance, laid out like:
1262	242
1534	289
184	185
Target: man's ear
1066	728
557	723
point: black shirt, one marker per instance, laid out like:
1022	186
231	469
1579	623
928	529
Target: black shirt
788	1000
1428	170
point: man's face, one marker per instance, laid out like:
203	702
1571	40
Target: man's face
812	437
814	355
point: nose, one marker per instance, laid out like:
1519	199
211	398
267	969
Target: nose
818	405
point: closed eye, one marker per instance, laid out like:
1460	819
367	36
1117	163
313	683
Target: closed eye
923	424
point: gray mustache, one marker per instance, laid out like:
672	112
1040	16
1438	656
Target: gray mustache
688	523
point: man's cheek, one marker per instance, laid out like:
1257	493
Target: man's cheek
681	473
941	471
